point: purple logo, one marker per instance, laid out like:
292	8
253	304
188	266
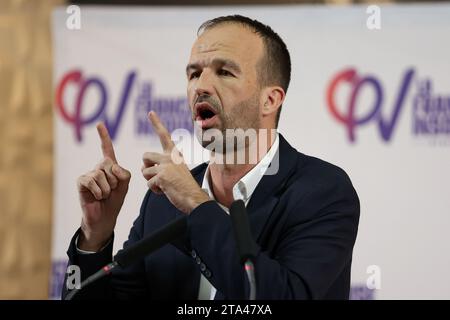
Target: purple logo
173	111
83	85
357	82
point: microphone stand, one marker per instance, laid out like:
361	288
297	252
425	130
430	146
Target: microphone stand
99	274
247	248
137	251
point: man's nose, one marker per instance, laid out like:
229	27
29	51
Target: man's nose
204	84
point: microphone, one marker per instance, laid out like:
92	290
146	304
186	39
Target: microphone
246	246
152	242
137	251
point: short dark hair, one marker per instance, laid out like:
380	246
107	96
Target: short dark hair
275	67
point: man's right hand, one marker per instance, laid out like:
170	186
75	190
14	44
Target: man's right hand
102	192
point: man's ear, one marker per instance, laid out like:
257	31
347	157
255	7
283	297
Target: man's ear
273	98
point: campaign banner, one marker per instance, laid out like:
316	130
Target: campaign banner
370	92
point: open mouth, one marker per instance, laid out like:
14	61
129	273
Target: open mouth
204	112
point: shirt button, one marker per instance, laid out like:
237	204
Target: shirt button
207	273
193	254
198	260
202	267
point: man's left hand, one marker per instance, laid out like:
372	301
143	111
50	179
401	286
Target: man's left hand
167	173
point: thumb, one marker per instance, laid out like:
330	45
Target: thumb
121	173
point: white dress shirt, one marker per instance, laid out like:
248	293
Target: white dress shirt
243	190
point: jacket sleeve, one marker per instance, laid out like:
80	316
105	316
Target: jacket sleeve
128	283
312	249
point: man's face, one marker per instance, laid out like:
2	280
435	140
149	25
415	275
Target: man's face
223	88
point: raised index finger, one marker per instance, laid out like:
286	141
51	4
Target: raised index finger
164	135
107	146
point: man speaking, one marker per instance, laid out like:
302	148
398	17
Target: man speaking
303	212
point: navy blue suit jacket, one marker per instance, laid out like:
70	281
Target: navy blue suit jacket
304	220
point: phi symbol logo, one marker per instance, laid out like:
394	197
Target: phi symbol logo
348	117
74	115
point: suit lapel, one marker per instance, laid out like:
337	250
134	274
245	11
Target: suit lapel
267	194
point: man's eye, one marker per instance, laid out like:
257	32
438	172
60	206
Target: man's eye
194	75
223	72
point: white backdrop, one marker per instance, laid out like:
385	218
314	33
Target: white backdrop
401	178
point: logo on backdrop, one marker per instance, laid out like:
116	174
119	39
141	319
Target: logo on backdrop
430	112
79	112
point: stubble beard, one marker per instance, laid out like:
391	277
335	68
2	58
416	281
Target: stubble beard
244	115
